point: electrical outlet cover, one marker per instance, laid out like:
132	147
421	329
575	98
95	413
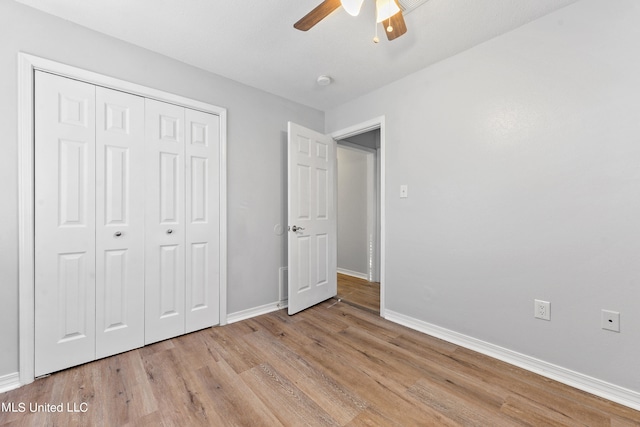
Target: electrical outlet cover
542	309
611	320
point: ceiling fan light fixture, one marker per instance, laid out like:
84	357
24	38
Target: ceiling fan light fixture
385	9
352	6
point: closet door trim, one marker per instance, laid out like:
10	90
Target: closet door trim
27	65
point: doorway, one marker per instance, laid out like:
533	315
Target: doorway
358	219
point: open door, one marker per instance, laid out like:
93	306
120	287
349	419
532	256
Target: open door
312	218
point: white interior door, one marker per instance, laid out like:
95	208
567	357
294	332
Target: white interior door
65	223
165	219
312	218
202	135
119	221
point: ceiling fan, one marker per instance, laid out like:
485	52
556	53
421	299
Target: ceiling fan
388	12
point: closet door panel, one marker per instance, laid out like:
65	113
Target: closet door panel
165	219
64	223
119	221
202	220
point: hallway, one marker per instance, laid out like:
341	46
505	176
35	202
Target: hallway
359	293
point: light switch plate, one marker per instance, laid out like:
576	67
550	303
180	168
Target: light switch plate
404	191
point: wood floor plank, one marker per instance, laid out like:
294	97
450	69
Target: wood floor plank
330	318
156	348
417	342
231	348
290	404
280	329
234	402
152	420
339	401
109	373
352	368
378	355
179	401
531	413
539	390
618	422
373	418
352	316
458	407
332	364
197	350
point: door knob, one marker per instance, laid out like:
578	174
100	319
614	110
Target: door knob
295	228
117	234
169	231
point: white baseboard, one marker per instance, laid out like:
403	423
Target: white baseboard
255	311
9	382
351	273
580	381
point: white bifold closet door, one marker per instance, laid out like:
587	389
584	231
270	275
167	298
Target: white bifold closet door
65	226
182	217
120	224
89	222
165	210
202	216
126	221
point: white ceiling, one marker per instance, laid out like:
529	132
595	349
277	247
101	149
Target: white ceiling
254	42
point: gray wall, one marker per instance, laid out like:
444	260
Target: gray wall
257	123
352	210
522	157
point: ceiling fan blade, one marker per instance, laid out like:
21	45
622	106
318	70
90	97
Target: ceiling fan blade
398	25
317	15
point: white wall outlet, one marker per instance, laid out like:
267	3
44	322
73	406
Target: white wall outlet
542	309
611	320
404	191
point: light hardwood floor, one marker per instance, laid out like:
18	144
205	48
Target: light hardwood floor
330	365
359	292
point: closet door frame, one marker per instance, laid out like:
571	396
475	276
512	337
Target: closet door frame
27	65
